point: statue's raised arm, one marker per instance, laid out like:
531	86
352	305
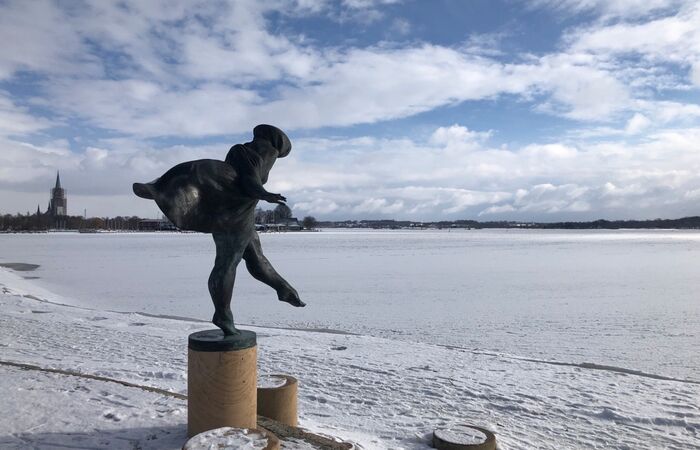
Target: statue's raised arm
219	197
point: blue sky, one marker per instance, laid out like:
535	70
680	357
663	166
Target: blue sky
426	110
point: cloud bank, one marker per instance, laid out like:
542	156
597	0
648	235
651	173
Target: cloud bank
108	92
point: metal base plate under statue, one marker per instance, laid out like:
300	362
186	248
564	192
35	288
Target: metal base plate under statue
221	381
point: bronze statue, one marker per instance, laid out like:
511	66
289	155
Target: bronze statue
219	197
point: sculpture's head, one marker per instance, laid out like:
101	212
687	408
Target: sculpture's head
274	136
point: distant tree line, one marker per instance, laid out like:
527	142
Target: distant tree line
309	222
38	222
682	223
43	222
282	214
685	222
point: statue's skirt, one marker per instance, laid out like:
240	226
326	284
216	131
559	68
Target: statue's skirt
201	195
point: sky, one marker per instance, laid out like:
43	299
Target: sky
539	110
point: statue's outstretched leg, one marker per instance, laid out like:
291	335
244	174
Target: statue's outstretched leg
261	269
229	251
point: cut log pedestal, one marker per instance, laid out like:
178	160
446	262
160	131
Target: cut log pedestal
228	437
221	381
464	437
277	398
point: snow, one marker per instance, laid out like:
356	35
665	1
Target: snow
462	435
227	438
46	410
271	381
626	299
381	393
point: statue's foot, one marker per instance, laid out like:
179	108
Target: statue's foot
226	324
290	296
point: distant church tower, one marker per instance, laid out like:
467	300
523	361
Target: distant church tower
58	206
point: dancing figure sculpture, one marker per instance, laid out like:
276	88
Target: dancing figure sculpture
219	197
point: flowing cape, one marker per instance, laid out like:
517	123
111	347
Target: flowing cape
202	195
215	196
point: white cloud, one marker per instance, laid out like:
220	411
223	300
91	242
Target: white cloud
421	179
378	205
500	209
320	206
650	115
548	152
695	74
457	135
201	78
672	39
538	181
363	11
37	36
577	88
486	44
22	163
239	47
212	109
666	38
464	199
663	164
365	4
171	72
551	199
611	8
95	178
692	194
202	71
17	120
666	112
638	123
400	27
387	83
309	7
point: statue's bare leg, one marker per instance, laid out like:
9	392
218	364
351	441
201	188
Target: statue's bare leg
261	269
229	251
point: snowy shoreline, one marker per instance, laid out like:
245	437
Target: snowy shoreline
26	267
584	298
377	392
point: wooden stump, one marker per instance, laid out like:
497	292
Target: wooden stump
228	437
221	381
464	437
278	400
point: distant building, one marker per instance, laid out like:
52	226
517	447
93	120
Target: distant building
290	224
156	225
293	224
58	205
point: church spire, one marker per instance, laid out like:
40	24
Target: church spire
58	180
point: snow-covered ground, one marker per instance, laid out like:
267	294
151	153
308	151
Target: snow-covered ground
378	392
621	298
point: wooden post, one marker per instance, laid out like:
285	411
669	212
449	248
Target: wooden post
221	381
278	401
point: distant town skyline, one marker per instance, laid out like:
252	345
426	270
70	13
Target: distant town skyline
443	110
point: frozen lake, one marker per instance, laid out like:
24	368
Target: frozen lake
623	298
